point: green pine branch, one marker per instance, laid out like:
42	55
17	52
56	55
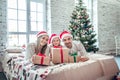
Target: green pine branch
81	27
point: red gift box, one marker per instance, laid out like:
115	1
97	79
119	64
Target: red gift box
43	60
59	55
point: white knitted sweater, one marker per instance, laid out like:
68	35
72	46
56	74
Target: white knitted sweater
30	51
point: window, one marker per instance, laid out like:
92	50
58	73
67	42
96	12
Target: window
88	4
25	19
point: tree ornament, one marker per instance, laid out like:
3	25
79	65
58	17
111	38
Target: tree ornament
92	29
87	16
75	27
81	24
77	38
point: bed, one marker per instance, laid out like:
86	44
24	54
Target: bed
98	67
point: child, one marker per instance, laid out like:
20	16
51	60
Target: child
54	41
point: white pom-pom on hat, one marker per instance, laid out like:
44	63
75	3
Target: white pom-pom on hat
41	33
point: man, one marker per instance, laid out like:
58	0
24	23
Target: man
78	47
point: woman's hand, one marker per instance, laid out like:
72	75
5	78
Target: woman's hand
33	58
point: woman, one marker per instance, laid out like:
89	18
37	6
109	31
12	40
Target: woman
40	47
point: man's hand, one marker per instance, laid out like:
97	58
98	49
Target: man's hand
83	59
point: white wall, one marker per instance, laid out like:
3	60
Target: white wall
108	23
3	25
61	11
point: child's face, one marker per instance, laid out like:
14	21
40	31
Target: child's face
56	41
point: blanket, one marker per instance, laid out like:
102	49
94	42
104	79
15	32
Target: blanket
96	68
25	70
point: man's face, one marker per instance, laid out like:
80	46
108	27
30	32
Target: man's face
67	41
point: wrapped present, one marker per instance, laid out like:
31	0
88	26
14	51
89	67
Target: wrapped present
59	55
43	60
40	54
74	58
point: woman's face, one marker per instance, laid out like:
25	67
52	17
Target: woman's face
56	41
44	40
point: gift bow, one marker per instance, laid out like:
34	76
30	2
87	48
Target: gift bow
74	55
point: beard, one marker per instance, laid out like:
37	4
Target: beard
68	45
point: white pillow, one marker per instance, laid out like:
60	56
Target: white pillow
14	50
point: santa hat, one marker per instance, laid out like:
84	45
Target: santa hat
64	34
52	37
41	33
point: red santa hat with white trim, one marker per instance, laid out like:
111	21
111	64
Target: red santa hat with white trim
64	34
41	33
52	37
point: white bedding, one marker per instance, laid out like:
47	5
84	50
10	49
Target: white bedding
99	67
89	70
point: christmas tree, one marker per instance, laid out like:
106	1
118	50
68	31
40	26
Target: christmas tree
81	27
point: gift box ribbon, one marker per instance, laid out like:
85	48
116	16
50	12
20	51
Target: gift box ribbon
74	55
40	54
42	57
61	53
